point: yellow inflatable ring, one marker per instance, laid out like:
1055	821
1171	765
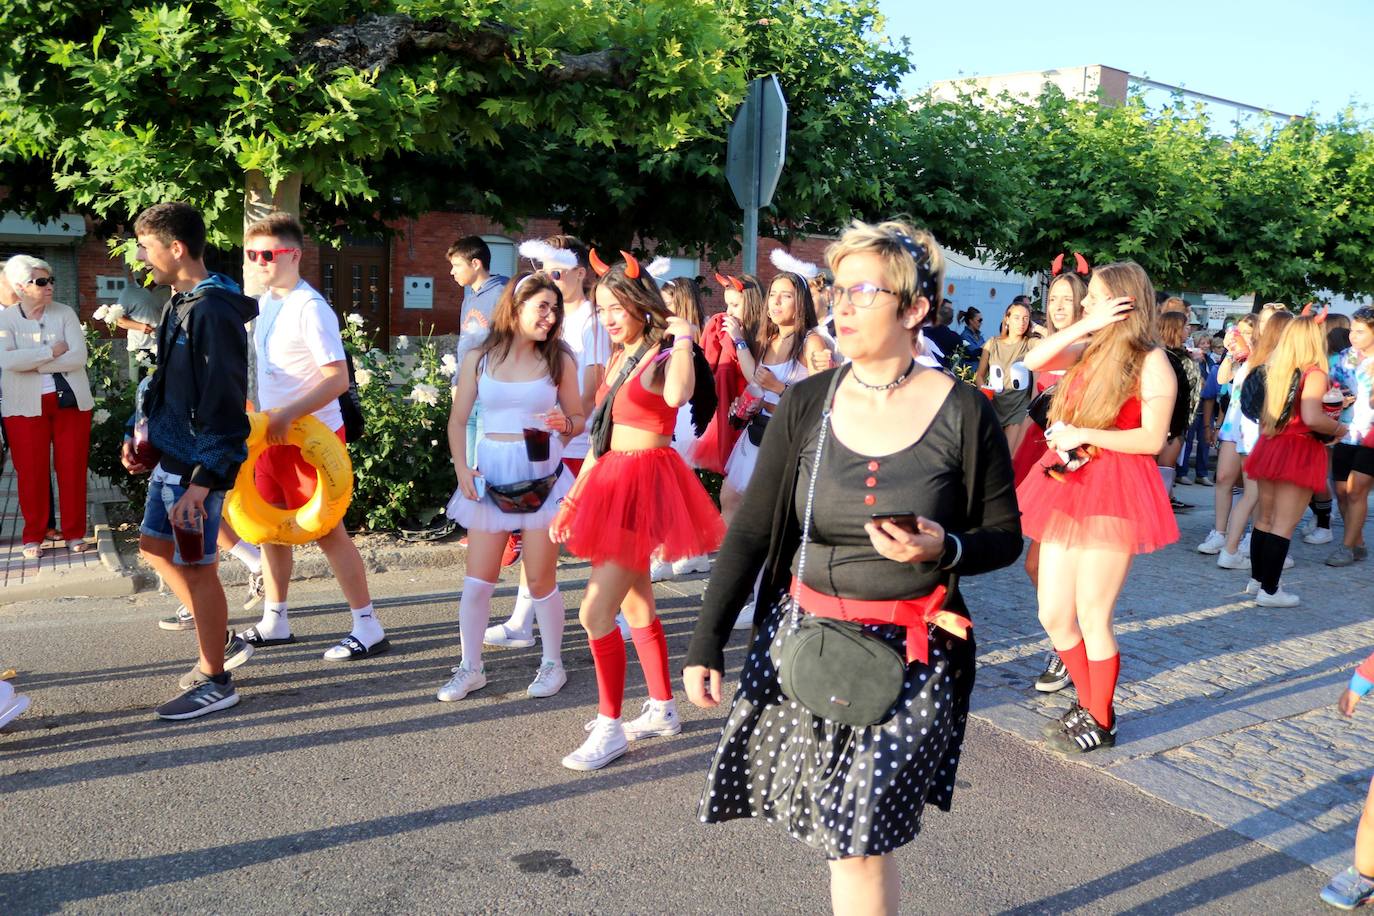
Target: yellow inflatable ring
259	522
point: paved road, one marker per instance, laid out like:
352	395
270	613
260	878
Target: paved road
349	789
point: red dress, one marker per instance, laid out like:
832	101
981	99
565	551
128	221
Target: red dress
1292	455
1114	501
631	503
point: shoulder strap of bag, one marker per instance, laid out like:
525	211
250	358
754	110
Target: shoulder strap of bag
794	618
601	417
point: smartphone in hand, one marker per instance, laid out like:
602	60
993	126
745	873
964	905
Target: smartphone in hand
903	520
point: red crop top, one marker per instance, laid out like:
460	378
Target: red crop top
636	406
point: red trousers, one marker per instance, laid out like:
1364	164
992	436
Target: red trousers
65	433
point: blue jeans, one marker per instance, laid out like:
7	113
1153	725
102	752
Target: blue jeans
1196	435
157	516
474	433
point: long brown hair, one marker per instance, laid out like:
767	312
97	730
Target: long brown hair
1108	373
505	322
683	298
805	317
1078	288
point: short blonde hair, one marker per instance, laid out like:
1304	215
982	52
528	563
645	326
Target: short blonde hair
910	280
19	270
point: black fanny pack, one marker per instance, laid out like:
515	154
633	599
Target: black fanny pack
525	496
756	428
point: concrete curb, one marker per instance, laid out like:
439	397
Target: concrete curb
112	580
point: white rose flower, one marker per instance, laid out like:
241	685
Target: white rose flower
101	415
356	320
420	372
425	394
403	342
364	377
448	365
101	312
143	357
114	313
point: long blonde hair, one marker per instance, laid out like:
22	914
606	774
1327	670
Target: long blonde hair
1301	347
1108	374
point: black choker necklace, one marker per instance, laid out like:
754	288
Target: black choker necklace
906	373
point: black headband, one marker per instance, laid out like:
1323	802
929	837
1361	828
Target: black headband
925	283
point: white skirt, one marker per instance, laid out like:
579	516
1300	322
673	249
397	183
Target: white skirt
740	465
504	463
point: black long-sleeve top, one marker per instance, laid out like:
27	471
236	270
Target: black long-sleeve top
766	531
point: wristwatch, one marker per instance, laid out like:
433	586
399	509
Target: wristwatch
741	344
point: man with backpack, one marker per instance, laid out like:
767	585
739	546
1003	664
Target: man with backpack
302	369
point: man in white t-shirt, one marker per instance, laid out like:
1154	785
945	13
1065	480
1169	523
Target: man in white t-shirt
591	346
302	369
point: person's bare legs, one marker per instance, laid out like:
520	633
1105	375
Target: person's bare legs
730	499
1355	506
1240	515
865	886
1228	472
347	565
197	587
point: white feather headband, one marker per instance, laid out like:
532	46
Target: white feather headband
547	255
785	262
659	266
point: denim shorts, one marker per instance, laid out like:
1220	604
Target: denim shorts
157	515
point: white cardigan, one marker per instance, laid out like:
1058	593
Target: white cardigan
25	358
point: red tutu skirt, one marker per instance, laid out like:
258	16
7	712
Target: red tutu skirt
631	503
1115	501
1295	458
1028	454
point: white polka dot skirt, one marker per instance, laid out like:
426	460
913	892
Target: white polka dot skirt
846	791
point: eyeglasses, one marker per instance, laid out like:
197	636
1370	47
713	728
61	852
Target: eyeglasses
267	255
860	295
556	274
41	282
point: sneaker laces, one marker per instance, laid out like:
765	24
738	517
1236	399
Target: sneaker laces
545	673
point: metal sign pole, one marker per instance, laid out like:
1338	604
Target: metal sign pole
751	240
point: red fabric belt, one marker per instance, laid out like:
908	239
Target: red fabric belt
912	613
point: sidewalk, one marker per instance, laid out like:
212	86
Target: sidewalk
1227	709
59	573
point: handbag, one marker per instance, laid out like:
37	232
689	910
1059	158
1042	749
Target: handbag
1039	407
832	667
351	406
524	496
66	397
599	432
756	428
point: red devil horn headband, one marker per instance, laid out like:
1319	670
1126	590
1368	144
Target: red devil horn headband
728	282
1321	316
1081	266
598	265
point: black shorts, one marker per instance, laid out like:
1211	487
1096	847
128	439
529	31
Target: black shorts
1346	458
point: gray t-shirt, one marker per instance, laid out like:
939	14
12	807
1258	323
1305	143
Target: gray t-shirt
143	304
478	304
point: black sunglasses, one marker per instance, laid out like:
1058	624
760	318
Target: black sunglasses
41	282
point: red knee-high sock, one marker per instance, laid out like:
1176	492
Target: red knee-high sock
608	654
1076	660
652	649
1104	674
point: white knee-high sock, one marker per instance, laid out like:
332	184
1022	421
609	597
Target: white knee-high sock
247	554
474	612
521	622
551	616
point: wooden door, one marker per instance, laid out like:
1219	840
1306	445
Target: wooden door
354	278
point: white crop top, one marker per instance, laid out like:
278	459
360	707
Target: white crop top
508	407
789	373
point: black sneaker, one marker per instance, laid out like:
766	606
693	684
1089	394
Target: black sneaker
1055	726
1055	676
200	700
1083	734
236	652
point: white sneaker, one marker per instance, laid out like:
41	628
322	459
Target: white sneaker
1252	587
1215	541
605	743
1245	545
500	636
12	705
1228	560
624	625
463	682
1317	536
548	680
1287	562
1280	598
746	617
660	571
658	720
699	564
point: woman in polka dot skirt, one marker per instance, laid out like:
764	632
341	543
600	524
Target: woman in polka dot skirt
899	440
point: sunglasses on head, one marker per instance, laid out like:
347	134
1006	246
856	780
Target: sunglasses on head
41	282
267	255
